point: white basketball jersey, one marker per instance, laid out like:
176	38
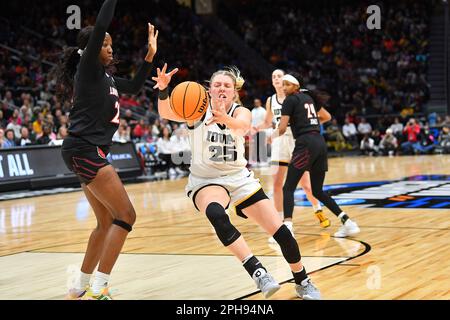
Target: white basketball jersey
216	151
275	106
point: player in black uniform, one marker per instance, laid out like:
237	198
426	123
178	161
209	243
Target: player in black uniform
82	76
305	114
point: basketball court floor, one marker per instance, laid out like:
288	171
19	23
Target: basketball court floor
402	205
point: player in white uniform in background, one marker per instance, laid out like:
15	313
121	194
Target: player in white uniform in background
219	177
282	148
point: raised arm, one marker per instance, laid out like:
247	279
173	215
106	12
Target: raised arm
135	85
89	59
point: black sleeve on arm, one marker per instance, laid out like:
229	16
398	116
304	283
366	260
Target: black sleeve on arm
135	85
288	106
89	59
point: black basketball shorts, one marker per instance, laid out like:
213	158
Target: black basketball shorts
310	152
83	158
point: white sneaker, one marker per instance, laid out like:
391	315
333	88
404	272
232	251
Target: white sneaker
289	226
349	228
172	172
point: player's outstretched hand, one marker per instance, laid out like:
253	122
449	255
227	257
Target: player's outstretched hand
163	79
152	42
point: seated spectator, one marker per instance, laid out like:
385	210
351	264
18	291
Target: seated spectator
367	146
9	141
397	128
62	134
15	123
425	143
151	115
37	124
165	150
25	137
138	130
376	136
333	133
181	153
412	130
446	121
2	137
350	133
128	117
389	143
444	140
122	135
364	127
45	138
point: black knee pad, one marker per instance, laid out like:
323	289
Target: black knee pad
288	244
226	232
123	225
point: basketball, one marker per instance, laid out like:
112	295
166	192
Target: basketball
189	100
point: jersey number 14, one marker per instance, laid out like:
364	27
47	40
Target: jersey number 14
312	115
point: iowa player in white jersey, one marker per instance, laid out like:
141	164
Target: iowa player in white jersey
219	178
282	148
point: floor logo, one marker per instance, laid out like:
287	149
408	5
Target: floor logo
424	191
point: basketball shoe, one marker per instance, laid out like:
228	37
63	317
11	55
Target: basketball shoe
265	282
324	221
76	294
349	228
307	290
103	295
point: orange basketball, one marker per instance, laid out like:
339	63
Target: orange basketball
189	100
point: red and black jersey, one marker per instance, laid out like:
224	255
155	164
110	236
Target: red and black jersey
95	112
302	113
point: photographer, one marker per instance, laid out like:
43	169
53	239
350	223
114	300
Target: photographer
412	130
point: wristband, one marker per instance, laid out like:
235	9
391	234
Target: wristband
163	94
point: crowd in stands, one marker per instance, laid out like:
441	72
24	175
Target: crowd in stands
367	72
328	44
390	136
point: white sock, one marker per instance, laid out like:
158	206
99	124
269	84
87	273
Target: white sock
342	214
83	281
318	207
288	224
281	213
247	258
100	282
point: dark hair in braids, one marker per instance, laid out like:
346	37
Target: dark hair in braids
65	70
